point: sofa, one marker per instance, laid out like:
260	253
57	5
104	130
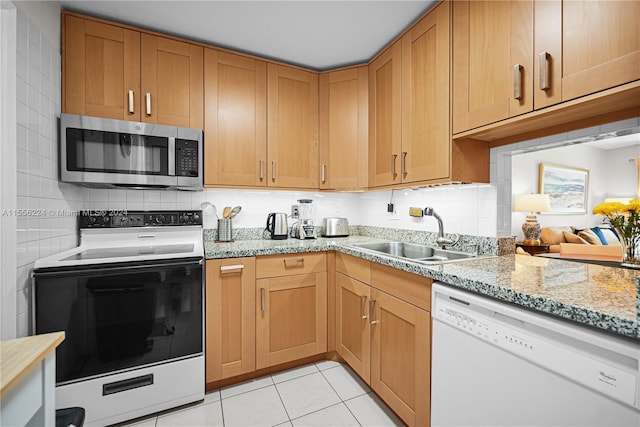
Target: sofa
589	243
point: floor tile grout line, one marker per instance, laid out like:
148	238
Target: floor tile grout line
322	409
295	378
222	412
283	405
249	391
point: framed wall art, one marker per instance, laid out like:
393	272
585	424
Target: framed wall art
567	188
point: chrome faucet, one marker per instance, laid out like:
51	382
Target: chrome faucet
440	240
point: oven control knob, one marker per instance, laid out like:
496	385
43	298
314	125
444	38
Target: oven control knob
160	219
105	220
92	220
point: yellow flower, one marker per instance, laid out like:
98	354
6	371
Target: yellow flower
609	208
633	205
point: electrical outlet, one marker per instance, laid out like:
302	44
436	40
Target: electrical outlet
294	211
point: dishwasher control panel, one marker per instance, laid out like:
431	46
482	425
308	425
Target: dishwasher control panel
500	325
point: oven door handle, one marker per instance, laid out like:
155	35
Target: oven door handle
93	271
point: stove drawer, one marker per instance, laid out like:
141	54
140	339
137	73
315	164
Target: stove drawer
289	264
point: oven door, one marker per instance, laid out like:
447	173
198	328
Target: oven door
122	316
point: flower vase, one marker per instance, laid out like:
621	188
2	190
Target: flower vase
630	250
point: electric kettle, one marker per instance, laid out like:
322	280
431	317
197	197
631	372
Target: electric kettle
277	225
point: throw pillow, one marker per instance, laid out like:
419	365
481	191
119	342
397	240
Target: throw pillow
553	235
591	237
574	238
610	236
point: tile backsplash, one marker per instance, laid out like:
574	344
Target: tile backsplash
467	209
43	228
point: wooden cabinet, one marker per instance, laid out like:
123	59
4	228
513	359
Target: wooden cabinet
291	307
344	129
511	58
353	336
244	95
410	133
235	120
426	134
383	331
492	45
401	357
116	72
101	69
292	127
230	317
385	132
585	47
172	82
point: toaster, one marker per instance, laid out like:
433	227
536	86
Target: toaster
335	227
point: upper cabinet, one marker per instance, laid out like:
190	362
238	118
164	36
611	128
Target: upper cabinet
239	150
492	61
172	80
426	133
101	70
410	133
582	47
115	72
511	58
344	129
385	134
236	120
292	127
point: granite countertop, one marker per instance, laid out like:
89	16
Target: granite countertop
606	298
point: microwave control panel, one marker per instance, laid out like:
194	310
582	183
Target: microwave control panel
187	157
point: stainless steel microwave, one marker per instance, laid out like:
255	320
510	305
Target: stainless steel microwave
109	153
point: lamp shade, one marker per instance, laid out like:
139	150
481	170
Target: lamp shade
532	203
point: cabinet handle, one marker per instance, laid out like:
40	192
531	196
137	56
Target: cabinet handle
148	102
296	261
262	299
372	303
261	170
544	70
324	174
363	298
403	163
393	165
131	102
273	171
231	268
517	81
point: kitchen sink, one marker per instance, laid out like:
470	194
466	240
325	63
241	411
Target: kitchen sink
415	252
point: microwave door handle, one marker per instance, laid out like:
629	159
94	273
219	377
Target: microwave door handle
172	156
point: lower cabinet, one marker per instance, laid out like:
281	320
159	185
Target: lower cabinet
230	317
264	311
291	308
384	338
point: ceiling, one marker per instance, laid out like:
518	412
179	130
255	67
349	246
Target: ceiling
314	34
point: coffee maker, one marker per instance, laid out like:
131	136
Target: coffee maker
304	228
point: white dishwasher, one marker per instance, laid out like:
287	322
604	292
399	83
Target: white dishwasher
497	365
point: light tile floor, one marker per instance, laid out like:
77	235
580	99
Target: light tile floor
325	393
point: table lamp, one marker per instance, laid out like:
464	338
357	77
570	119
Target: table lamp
531	203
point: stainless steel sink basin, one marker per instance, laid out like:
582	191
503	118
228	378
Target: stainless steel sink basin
415	252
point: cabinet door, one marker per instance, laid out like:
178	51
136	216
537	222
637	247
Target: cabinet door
344	129
591	46
172	82
292	127
101	67
384	117
426	137
492	56
230	317
235	119
291	318
352	326
401	357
